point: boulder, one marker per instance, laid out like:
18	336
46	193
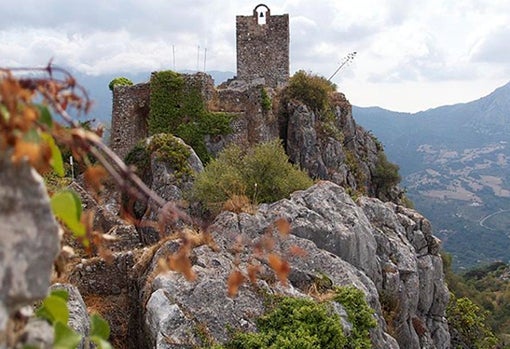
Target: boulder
29	242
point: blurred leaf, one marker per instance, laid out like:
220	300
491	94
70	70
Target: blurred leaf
32	136
56	156
4	112
283	226
45	116
65	337
99	327
280	267
54	309
101	343
60	293
235	280
66	205
94	176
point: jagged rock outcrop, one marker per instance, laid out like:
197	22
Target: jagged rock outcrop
168	166
381	248
330	148
29	241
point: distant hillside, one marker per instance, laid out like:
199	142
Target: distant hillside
455	164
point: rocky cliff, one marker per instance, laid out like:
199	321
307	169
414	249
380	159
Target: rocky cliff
381	248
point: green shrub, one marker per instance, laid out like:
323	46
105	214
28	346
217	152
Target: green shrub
313	90
120	81
304	323
468	321
294	323
385	175
262	173
360	315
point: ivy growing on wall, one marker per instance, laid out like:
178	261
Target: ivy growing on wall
177	107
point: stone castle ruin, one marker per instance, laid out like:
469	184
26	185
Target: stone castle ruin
262	60
333	149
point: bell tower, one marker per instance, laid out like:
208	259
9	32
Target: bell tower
263	47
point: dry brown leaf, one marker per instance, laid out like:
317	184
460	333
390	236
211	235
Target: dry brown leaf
106	254
94	177
267	241
38	155
280	266
297	251
283	226
181	263
253	271
238	246
235	280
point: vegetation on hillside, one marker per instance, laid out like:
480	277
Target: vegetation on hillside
479	309
310	324
261	173
385	176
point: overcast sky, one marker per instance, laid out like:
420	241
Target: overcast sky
412	54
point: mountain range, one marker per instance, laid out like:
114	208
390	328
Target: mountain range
454	161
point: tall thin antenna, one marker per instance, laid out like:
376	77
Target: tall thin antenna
205	57
347	59
173	52
198	57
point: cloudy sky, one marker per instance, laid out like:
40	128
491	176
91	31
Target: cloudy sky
412	55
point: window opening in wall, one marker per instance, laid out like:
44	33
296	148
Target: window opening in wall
261	16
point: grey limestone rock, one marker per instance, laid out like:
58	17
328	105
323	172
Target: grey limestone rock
384	250
79	319
413	280
29	241
206	302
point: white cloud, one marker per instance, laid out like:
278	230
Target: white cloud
400	43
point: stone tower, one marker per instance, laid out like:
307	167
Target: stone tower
263	47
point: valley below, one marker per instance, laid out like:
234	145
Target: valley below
455	167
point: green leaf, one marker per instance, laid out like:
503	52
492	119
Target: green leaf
45	116
60	293
54	309
65	337
99	327
101	343
66	205
5	113
56	155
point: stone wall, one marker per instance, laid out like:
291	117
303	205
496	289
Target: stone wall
263	49
130	112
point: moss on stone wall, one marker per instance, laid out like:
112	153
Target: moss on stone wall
165	147
177	107
265	100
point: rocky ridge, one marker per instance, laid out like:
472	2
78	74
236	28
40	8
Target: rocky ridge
383	249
